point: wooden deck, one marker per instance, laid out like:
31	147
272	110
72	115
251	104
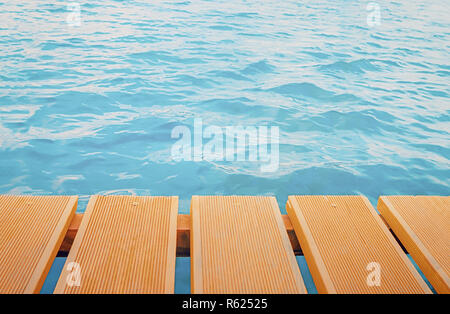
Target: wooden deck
422	223
239	245
127	244
31	231
344	241
183	235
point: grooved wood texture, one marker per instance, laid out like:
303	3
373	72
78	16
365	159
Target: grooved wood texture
125	244
422	223
341	236
239	245
31	231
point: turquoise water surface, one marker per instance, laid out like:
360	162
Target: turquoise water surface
88	104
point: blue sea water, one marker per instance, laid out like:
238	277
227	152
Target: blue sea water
89	109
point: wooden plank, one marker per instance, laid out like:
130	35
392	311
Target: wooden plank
125	244
183	235
422	223
32	229
70	235
239	244
292	236
347	245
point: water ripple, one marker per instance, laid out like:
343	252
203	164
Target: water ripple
89	109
